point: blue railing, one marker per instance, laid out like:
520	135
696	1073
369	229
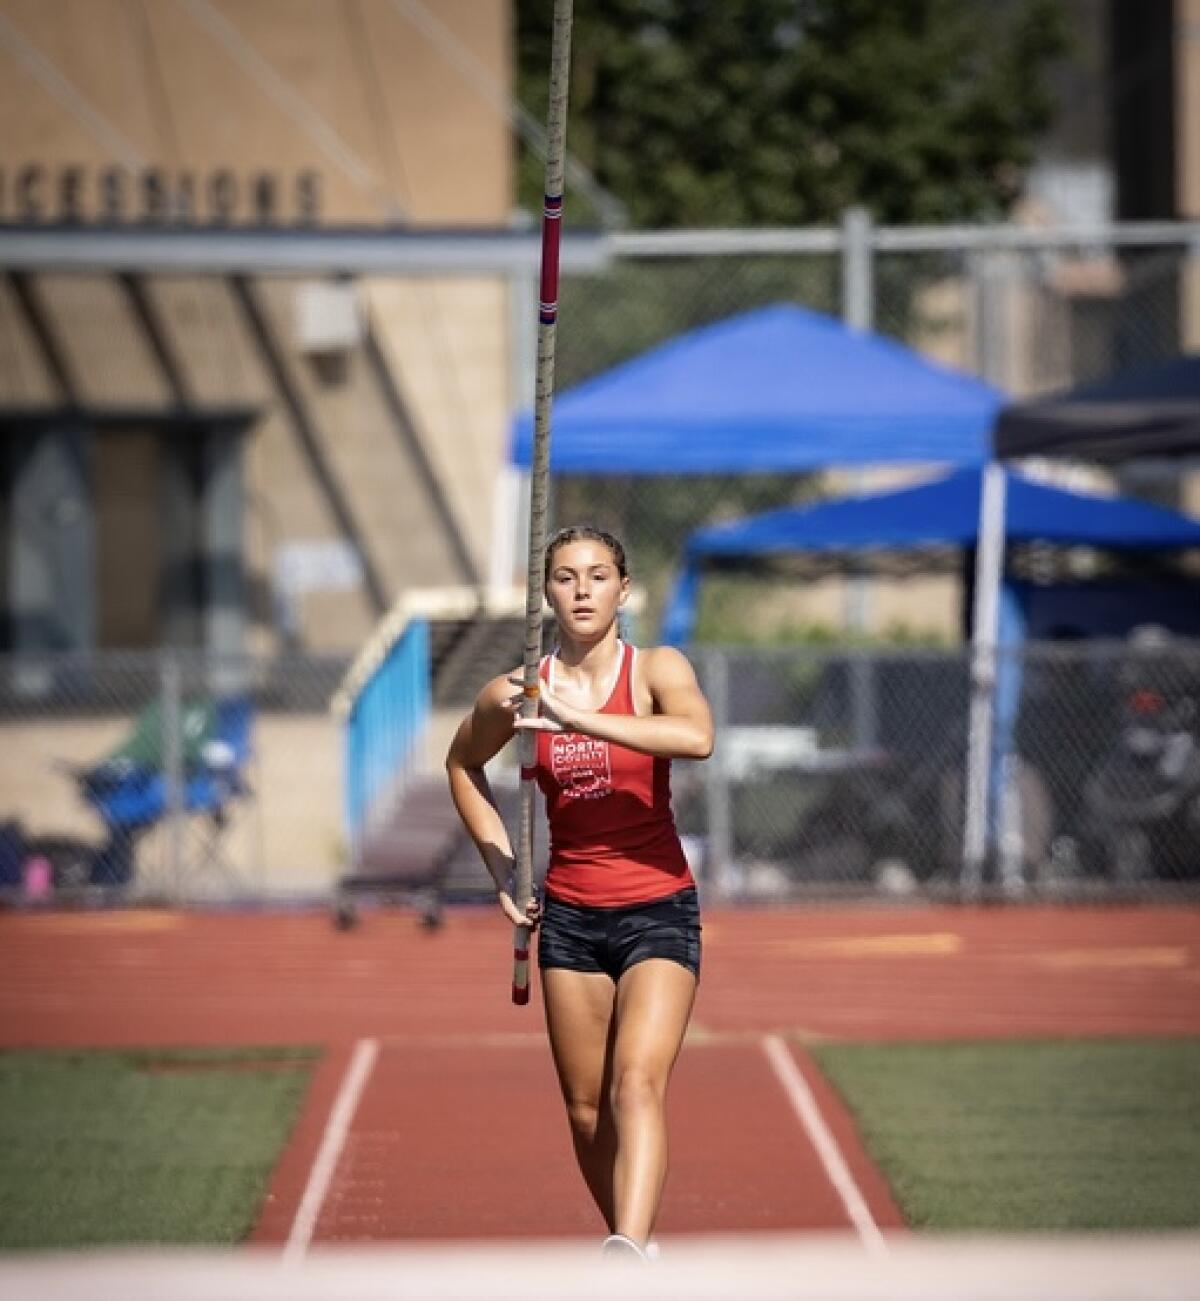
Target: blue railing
384	725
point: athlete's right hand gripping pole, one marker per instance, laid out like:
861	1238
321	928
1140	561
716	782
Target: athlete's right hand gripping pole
539	476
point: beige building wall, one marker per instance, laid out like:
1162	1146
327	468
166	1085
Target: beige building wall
399	124
353	91
383	114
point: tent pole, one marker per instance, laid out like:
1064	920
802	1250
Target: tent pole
989	565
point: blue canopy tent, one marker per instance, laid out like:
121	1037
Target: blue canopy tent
945	511
942	512
776	390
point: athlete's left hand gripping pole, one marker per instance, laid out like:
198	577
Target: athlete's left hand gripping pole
539	477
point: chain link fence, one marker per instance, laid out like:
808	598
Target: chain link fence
170	777
837	772
834	771
1107	739
843	772
838	767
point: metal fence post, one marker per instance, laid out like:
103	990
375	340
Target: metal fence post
858	270
719	867
991	271
858	312
864	702
171	686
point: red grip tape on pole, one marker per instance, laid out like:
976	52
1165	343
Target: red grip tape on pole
551	240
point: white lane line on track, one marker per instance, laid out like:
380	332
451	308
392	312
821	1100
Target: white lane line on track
362	1062
836	1169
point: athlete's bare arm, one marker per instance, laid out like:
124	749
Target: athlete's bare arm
481	736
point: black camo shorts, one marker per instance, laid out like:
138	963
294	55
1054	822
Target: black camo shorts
612	940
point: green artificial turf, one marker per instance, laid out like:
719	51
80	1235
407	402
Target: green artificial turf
1027	1136
141	1147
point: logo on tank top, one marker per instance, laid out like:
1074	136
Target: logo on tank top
581	766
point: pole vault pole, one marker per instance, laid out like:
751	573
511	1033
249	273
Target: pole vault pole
539	477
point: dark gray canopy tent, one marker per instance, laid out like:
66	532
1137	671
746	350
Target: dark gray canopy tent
1146	413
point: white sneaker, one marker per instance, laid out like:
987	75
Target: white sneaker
618	1247
653	1250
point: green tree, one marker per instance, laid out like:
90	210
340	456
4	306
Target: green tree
786	112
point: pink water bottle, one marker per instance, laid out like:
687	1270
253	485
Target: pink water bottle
38	879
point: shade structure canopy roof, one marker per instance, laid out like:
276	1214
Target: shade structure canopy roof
946	511
1153	412
777	390
942	512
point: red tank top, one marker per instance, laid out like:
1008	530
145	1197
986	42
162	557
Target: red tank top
612	834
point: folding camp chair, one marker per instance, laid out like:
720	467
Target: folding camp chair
131	790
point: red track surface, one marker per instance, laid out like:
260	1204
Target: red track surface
462	1093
